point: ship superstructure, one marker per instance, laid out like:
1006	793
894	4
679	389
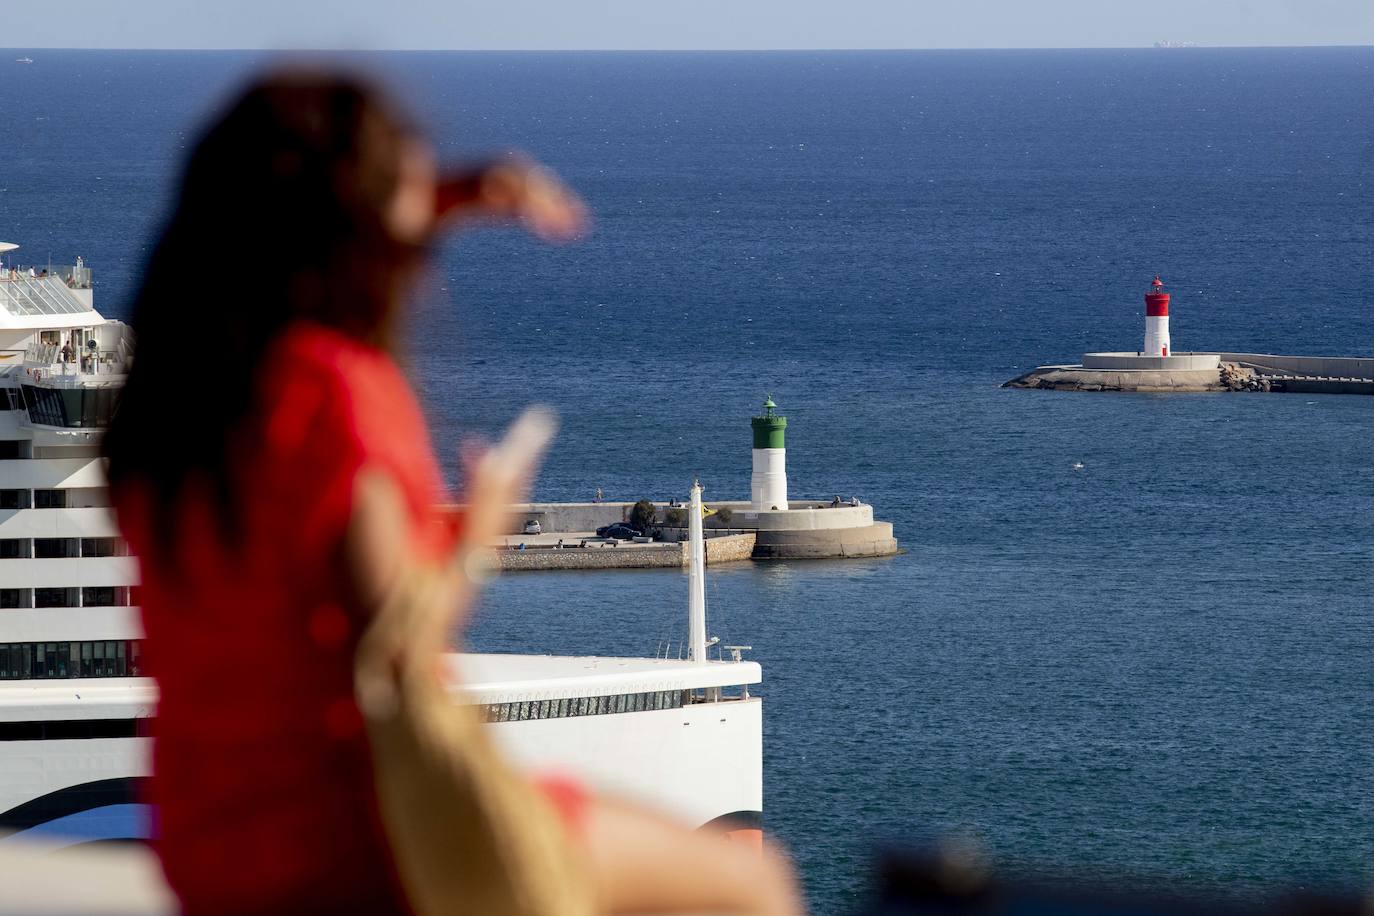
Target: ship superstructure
75	704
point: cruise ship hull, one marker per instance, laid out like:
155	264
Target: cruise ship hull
74	755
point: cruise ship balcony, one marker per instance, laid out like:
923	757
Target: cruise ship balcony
51	335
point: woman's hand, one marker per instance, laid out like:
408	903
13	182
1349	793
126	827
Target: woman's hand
515	188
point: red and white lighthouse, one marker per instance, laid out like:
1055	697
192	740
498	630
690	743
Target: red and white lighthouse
1156	320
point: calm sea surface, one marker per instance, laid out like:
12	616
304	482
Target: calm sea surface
1160	665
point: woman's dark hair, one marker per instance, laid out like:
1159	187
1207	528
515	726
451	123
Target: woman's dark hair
281	216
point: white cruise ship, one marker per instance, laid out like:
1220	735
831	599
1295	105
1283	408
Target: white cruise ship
682	735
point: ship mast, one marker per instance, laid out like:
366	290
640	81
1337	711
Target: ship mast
696	588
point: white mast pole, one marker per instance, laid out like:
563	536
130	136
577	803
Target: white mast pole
696	593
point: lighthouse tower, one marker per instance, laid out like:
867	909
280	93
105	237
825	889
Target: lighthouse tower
1156	320
768	487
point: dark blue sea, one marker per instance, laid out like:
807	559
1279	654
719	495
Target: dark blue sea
1161	665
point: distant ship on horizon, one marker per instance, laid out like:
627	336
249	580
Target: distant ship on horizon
23	60
1176	44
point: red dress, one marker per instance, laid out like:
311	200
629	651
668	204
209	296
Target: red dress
262	779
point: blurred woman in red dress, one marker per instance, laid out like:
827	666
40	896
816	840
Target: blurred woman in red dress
272	469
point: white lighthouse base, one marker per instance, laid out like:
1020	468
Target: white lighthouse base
768	486
1156	336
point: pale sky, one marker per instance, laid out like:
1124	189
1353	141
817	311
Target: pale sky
679	24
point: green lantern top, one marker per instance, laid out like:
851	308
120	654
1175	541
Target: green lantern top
768	426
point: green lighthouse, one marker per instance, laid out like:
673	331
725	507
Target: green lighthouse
768	486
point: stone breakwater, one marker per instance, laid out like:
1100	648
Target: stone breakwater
1235	372
1077	378
730	548
805	530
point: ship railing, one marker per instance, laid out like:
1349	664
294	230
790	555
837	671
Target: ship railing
43	362
74	276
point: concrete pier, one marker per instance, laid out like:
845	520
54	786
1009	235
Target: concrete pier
807	529
1203	372
727	548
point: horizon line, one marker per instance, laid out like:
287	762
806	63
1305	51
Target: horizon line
1166	45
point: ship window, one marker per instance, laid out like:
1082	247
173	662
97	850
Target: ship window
54	548
11	597
54	597
10	399
102	547
44	405
11	548
14	499
50	499
569	706
70	407
11	448
101	596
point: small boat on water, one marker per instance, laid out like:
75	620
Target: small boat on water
23	60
